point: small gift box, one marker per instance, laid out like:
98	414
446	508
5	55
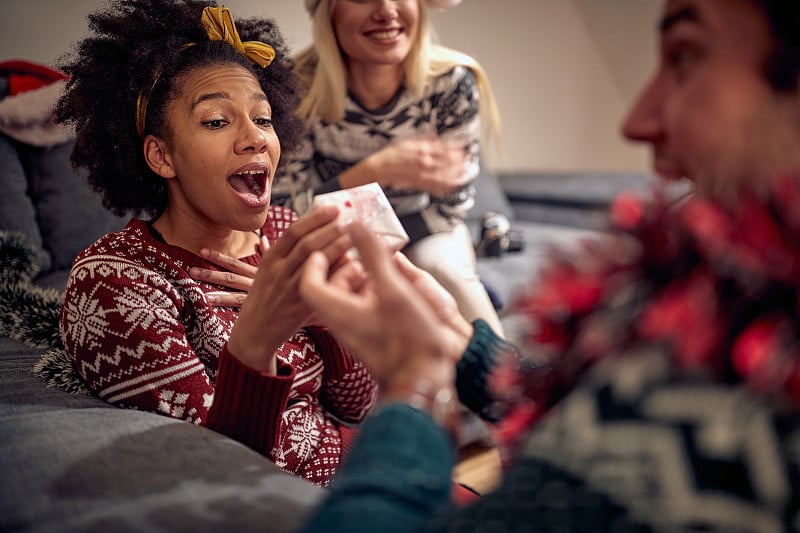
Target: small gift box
369	204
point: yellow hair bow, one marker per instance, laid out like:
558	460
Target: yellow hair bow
219	25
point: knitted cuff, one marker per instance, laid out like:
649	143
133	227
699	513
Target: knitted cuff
248	404
337	361
476	364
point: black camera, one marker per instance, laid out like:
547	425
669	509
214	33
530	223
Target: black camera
497	237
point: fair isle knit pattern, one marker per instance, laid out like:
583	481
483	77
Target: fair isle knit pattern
141	333
449	108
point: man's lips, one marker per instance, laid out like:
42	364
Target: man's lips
668	168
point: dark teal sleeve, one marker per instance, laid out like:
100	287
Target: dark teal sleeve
476	364
396	477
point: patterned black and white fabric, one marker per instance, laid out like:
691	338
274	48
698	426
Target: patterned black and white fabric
635	449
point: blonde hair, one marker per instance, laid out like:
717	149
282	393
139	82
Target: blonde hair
322	71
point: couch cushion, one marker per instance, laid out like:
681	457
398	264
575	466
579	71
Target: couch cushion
489	197
70	214
577	199
74	463
17	212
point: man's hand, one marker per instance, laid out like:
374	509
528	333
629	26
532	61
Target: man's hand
390	315
273	310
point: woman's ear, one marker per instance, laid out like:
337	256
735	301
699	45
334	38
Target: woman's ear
158	157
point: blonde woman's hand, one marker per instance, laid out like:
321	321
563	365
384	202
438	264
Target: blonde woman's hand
426	162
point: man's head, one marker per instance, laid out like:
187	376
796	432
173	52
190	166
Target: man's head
723	108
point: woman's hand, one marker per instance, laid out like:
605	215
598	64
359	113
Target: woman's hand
273	310
425	162
237	275
388	315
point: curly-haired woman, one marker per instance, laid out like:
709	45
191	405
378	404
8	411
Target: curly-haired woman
178	114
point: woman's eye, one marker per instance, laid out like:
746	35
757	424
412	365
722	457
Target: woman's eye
214	123
263	121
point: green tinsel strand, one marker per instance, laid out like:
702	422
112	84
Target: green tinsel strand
30	314
56	369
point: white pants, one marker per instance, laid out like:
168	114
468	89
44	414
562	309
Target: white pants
450	258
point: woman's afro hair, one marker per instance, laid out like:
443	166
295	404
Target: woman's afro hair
133	44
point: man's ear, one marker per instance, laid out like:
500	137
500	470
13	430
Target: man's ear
158	157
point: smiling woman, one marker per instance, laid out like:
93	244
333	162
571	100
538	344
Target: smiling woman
385	104
193	145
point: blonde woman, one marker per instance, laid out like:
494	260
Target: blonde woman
383	103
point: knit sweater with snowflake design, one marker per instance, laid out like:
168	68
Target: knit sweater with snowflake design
141	332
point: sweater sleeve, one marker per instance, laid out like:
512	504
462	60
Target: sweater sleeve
476	365
297	181
396	477
348	391
248	404
458	120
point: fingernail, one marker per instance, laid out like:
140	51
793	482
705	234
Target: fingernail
212	298
352	254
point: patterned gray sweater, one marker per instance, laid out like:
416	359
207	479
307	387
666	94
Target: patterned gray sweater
448	107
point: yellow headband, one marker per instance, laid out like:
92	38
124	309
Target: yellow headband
219	26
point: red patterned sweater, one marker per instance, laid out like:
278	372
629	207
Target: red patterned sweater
141	333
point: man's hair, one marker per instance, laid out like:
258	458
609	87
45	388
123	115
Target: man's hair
782	64
147	47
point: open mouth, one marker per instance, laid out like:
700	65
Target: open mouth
251	187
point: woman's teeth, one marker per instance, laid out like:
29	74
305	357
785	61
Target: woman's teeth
250	181
387	34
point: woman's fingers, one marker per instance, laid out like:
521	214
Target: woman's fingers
226	279
226	299
318	218
237	276
229	263
335	304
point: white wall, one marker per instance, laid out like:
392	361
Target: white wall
564	71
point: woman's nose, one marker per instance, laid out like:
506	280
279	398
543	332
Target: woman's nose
252	138
386	9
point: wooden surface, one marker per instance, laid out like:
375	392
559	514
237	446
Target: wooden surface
478	468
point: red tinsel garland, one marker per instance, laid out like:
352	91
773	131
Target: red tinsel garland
718	286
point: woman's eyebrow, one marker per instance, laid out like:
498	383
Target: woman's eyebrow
210	96
256	96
